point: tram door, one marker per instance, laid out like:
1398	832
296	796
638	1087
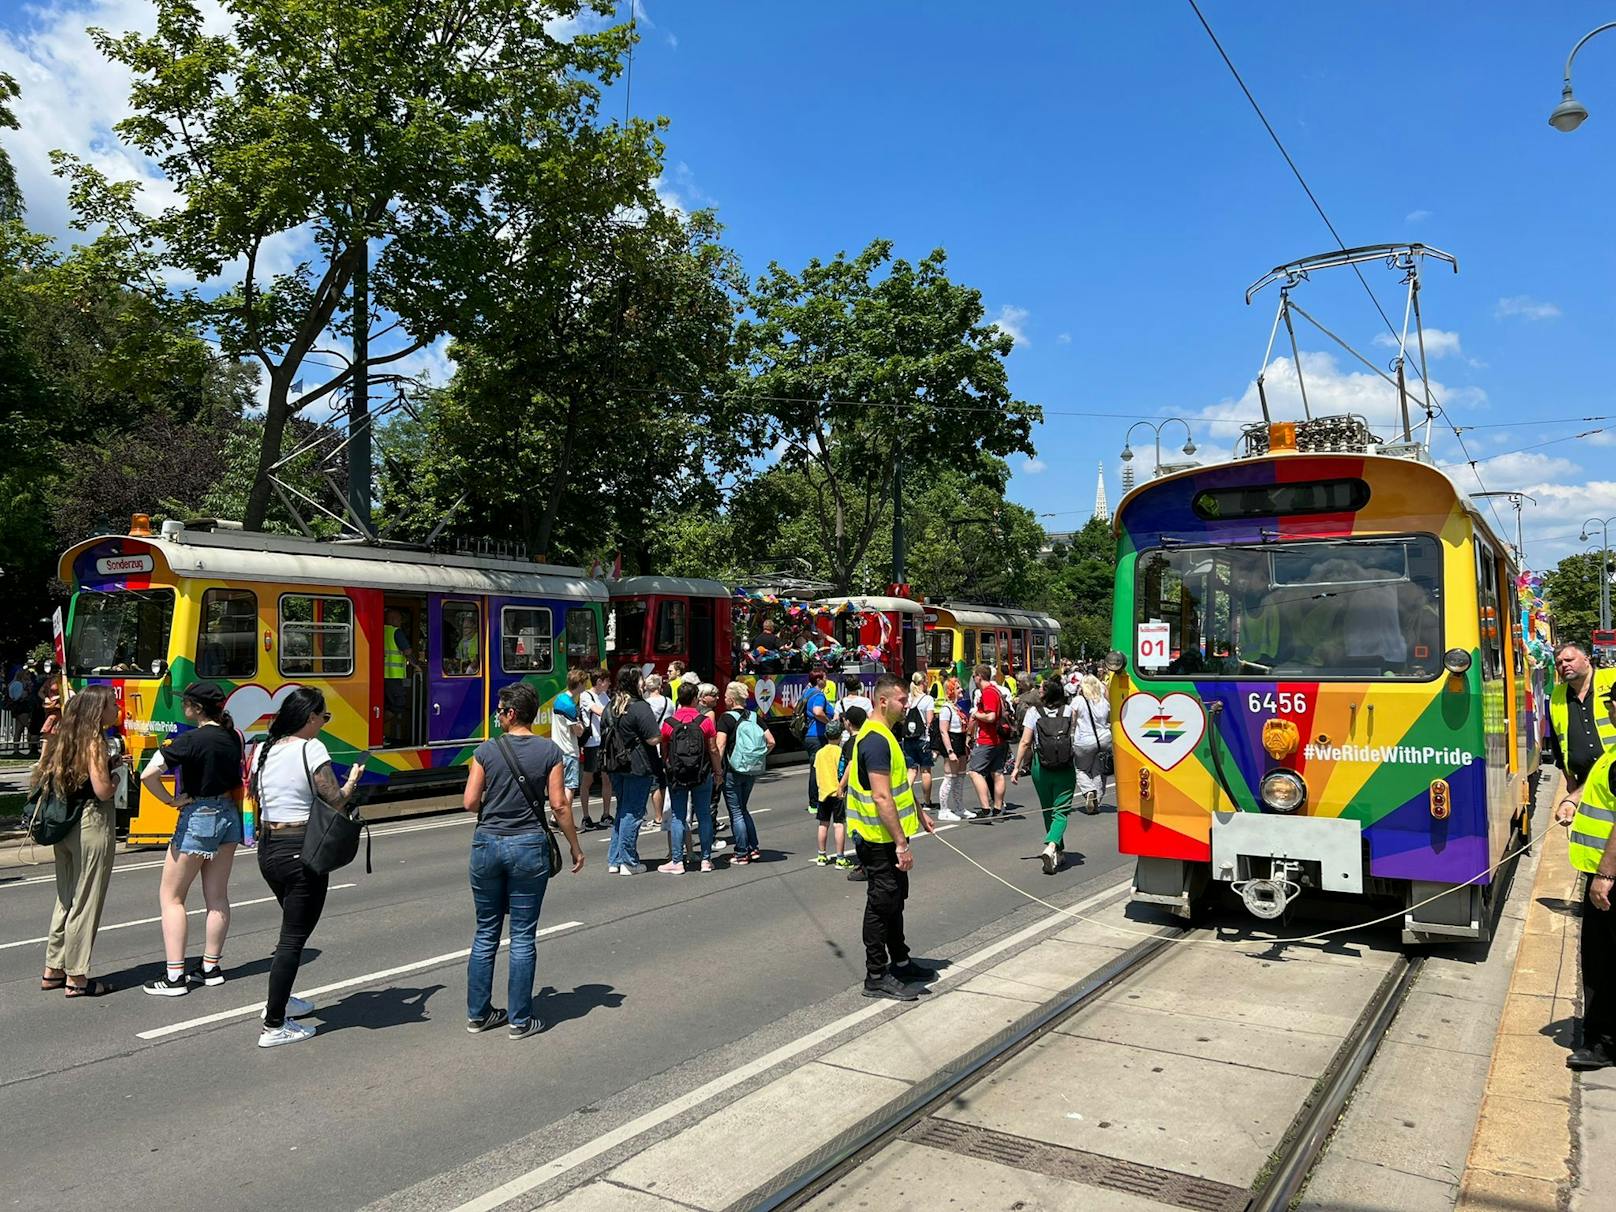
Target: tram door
703	652
455	670
403	656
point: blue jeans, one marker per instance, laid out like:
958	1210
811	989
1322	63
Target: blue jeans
681	800
811	746
633	793
508	876
738	794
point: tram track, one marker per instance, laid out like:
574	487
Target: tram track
1275	1187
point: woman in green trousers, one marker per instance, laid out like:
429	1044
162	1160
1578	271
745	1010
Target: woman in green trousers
1048	737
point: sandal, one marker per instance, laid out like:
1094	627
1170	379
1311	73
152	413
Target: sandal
90	988
52	982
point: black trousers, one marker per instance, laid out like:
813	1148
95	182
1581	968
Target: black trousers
301	893
1598	953
884	894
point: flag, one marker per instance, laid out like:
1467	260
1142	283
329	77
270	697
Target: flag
297	388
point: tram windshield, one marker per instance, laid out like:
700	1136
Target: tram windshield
120	634
1350	608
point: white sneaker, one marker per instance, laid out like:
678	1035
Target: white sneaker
287	1033
611	869
631	869
719	844
948	814
651	827
296	1007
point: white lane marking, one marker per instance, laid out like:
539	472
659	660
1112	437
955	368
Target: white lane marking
147	921
960	970
367	978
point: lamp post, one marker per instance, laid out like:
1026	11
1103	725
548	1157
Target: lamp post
1127	450
1604	558
1571	113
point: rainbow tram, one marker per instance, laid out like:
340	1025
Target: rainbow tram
1319	685
410	647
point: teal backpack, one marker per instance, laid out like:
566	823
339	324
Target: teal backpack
750	749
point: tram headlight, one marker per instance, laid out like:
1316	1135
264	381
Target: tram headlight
1115	661
1456	660
1283	791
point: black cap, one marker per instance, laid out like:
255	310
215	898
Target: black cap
207	694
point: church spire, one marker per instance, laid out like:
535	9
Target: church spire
1101	509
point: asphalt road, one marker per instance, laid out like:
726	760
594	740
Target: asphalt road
649	985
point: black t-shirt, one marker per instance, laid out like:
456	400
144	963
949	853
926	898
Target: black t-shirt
505	808
208	760
874	757
641	732
727	723
1577	752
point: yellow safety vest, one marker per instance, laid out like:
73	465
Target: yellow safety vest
1590	828
1560	711
467	653
393	667
862	818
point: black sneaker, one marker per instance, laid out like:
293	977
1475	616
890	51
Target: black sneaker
206	976
912	973
1585	1059
858	875
167	988
532	1027
891	987
606	822
491	1021
587	824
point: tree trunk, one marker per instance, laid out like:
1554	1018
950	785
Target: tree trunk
276	415
556	490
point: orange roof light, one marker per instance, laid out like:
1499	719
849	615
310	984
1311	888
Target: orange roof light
1282	436
140	524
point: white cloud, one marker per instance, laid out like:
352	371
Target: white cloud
1064	338
673	41
1012	321
1439	343
1524	307
1416	216
1032	467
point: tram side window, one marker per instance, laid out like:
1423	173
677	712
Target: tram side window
671	621
462	639
940	649
1492	650
1517	639
316	636
970	648
582	650
527	639
628	626
227	636
1038	650
990	648
1018	650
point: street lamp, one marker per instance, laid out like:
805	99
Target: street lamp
1604	559
1127	450
1571	113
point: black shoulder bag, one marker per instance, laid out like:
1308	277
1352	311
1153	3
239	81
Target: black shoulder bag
1105	759
532	802
331	838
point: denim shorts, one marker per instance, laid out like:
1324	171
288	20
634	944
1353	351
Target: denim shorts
569	772
205	825
918	754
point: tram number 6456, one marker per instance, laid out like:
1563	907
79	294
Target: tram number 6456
1283	703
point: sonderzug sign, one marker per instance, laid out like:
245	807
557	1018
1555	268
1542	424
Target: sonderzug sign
116	565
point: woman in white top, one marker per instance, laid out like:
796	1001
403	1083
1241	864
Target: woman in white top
956	743
917	749
1091	718
290	767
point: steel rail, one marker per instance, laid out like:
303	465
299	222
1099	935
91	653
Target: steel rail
1311	1129
862	1140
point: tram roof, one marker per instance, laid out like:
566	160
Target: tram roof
865	602
694	587
997	616
252	556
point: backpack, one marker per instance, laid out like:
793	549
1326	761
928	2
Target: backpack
749	750
1007	724
687	754
1052	740
799	717
914	726
48	819
616	751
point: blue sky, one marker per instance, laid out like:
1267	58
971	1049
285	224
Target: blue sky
1094	170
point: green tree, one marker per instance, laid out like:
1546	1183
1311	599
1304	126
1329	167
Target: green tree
1572	590
382	136
11	200
1084	581
968	543
855	362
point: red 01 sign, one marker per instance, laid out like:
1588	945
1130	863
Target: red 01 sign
1153	644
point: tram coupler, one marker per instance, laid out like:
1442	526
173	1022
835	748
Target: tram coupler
1269	896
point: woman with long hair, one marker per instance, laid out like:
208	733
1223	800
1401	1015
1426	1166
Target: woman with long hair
951	731
207	793
1053	783
632	719
1091	715
290	767
76	766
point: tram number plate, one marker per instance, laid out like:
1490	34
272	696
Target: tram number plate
1155	640
1284	703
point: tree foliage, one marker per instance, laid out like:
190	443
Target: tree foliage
1572	588
385	134
855	362
11	201
1083	579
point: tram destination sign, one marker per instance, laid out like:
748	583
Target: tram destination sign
124	564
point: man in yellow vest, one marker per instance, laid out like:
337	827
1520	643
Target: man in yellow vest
397	652
882	817
1578	729
1592	853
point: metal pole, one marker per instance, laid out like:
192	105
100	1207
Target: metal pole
897	515
1604	582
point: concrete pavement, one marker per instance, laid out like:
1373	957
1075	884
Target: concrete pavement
665	984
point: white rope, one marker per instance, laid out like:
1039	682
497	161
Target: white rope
1318	936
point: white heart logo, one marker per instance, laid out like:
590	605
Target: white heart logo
1164	731
252	707
764	690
